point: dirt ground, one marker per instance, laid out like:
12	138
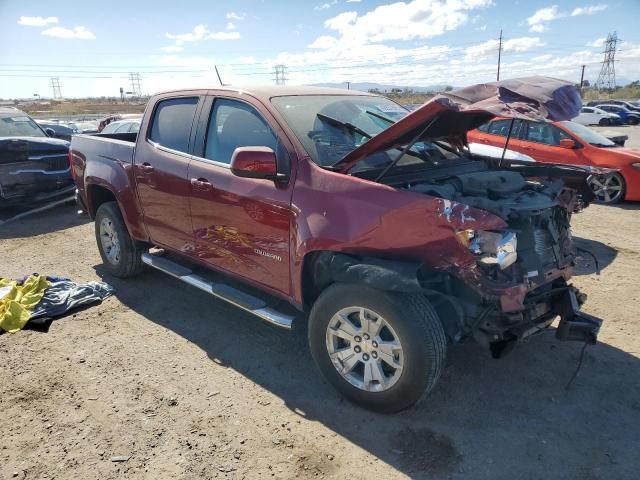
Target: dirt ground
188	387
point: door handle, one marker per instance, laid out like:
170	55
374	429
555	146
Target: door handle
146	167
201	184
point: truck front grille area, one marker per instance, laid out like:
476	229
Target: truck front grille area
55	163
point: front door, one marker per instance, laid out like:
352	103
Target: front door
240	225
542	142
161	171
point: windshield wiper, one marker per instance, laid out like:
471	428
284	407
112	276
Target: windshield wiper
350	127
381	117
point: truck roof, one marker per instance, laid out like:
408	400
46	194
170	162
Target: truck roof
266	92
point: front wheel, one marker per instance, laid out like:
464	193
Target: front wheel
382	350
604	122
121	254
608	188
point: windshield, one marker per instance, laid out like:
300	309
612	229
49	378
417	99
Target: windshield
316	121
332	126
588	135
19	126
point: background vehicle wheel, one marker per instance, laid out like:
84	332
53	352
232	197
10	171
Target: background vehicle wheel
608	188
604	122
382	350
120	253
633	121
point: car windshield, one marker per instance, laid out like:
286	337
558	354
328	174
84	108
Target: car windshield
332	126
19	126
588	135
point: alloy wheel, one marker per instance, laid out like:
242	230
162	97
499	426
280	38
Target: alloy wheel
110	241
607	188
364	349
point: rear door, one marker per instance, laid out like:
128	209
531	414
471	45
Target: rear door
241	225
161	170
495	133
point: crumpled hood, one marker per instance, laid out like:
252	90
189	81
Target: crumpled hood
15	149
454	113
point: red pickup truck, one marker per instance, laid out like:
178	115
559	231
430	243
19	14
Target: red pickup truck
375	222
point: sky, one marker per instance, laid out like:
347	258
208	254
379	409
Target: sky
94	46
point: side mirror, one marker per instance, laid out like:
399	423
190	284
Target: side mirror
50	132
568	143
255	162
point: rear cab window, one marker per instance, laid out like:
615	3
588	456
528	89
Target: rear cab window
172	121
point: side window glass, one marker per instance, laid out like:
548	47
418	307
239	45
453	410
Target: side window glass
135	127
501	127
172	119
545	133
484	127
235	124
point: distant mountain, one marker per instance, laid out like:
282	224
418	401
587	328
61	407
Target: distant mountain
366	86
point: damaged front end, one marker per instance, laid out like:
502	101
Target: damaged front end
33	169
510	282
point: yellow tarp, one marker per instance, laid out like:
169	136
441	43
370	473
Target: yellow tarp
16	301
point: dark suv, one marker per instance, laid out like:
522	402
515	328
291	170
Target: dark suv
33	166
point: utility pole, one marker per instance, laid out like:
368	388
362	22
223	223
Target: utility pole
55	86
582	78
348	85
280	74
607	77
499	55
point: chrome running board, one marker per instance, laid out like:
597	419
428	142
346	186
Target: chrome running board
225	292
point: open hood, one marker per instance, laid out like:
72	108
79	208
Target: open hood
454	113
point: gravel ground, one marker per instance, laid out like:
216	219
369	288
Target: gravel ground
185	386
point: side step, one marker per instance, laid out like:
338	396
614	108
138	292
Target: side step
222	291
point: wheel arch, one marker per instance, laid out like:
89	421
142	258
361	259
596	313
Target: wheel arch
324	268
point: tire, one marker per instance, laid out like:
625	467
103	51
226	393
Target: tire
604	122
633	121
608	189
409	317
125	260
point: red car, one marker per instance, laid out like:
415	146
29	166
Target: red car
570	143
351	211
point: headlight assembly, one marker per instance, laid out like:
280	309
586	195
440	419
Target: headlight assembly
492	248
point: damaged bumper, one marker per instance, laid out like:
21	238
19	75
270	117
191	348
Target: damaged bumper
32	181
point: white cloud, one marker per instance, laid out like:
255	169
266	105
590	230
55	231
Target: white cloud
236	16
198	33
323	42
325	6
224	36
354	1
404	21
231	26
599	42
172	48
589	10
538	22
37	21
80	33
490	47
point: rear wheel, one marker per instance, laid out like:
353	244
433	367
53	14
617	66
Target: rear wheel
608	188
604	122
633	121
121	254
382	350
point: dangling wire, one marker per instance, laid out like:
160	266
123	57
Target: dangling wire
575	374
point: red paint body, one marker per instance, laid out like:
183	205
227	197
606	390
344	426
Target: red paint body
617	158
199	208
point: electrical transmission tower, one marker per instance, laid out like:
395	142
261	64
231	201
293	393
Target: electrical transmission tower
136	89
607	77
55	85
280	74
